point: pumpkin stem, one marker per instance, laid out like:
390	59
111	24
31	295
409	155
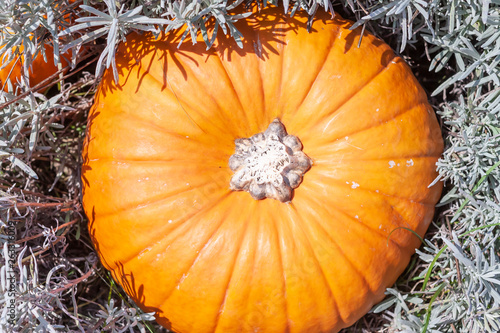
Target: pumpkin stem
269	164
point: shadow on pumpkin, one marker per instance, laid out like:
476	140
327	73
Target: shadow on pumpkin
264	33
127	281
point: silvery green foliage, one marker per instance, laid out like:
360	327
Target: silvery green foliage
30	112
123	319
23	295
37	303
404	16
34	299
471	304
470	163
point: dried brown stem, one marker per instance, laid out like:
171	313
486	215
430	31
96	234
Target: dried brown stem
15	189
26	239
71	283
42	204
59	238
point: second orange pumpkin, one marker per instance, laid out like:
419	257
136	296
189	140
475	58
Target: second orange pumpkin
40	69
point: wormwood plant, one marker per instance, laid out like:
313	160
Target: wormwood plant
48	264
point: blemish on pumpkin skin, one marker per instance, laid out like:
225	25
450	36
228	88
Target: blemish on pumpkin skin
156	106
355	146
392	164
409	163
184	276
354	185
143	252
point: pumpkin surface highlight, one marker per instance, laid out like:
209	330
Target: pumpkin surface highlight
156	175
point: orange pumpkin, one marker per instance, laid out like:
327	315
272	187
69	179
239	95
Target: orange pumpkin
166	191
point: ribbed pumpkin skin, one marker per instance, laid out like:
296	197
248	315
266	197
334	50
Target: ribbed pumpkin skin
156	176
